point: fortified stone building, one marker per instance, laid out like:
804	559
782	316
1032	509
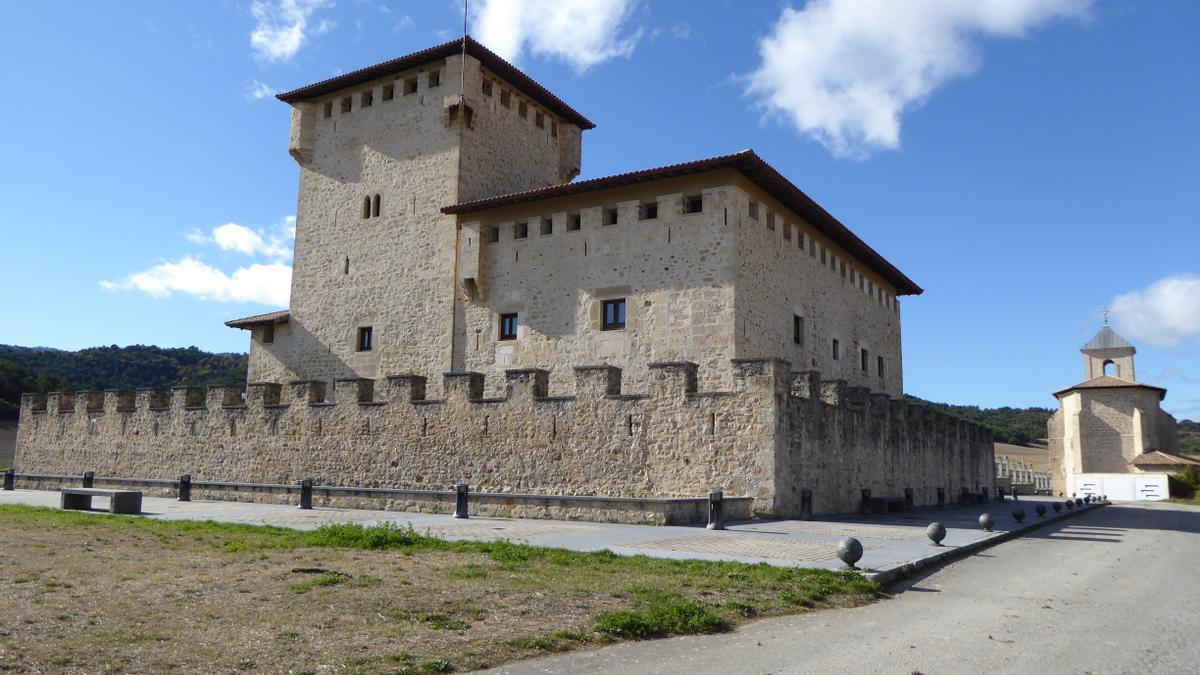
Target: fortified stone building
703	325
1111	424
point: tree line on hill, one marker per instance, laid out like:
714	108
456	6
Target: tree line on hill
38	369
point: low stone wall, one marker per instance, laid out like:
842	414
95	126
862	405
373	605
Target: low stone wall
670	511
776	435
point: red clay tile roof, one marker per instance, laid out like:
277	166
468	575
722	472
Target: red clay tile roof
281	316
749	164
1162	458
1110	382
489	59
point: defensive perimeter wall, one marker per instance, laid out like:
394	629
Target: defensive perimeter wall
776	435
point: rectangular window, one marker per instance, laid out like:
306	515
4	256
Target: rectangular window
523	110
521	231
487	87
328	109
693	204
508	326
822	256
410	86
843	264
754	210
367	98
539	120
865	357
771	220
435	79
614	314
553	129
574	222
837	351
268	334
346	102
879	365
648	211
389	92
787	232
364	339
493	234
800	240
812	248
610	216
547	226
505	98
798	330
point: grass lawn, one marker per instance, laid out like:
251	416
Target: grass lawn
88	592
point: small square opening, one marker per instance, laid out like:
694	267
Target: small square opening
521	231
328	111
787	232
610	216
435	79
770	220
346	103
523	109
547	226
574	222
754	210
508	326
367	98
648	211
493	234
268	333
389	92
487	87
539	120
505	98
365	339
410	86
693	204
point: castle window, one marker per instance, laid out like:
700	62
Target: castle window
367	98
614	314
822	256
389	92
328	110
508	326
879	365
610	216
435	79
521	231
574	222
539	120
410	86
648	211
865	358
547	226
812	248
523	109
800	240
553	129
843	264
375	207
346	103
798	330
505	98
837	350
771	220
364	339
268	334
487	87
693	204
754	210
787	231
493	234
366	211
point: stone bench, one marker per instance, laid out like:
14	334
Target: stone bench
119	501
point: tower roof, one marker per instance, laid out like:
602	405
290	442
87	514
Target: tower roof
1110	382
487	57
1107	338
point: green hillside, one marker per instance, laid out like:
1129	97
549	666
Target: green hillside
25	369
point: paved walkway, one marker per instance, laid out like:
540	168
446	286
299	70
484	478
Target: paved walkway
889	541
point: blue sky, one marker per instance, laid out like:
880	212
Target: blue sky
1028	162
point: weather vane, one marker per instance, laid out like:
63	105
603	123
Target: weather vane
1104	312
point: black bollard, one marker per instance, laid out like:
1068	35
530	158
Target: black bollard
865	507
941	497
716	510
1014	492
1019	515
1057	506
1041	510
806	503
461	506
999	493
10	476
306	494
185	487
909	500
89	479
983	495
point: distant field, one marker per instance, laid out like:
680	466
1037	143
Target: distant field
1038	457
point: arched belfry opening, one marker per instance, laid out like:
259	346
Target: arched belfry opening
1111	368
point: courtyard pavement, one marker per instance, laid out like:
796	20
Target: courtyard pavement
891	542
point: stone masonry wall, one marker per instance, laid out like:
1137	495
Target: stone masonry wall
758	440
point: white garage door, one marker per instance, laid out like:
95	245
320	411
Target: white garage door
1123	487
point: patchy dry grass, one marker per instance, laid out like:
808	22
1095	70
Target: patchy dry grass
99	593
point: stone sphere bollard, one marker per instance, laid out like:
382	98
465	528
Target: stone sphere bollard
850	550
1041	510
1078	502
1019	515
936	533
985	521
1087	499
1104	498
1070	504
1057	507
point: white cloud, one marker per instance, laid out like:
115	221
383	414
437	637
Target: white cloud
268	284
1165	314
581	32
283	26
844	71
257	90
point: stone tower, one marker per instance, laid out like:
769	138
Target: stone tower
381	151
1110	419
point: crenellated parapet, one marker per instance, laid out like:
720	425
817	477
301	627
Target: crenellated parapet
774	433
